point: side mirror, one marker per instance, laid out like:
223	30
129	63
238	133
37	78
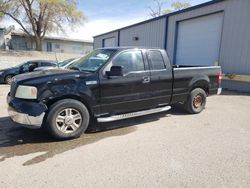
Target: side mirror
115	71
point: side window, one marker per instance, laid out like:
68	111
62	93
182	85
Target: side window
130	61
138	63
156	60
25	67
32	66
46	64
28	67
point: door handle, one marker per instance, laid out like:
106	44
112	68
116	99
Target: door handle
146	79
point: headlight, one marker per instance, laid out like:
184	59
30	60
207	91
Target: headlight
26	92
1	73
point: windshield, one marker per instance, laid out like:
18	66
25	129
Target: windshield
64	63
19	65
93	61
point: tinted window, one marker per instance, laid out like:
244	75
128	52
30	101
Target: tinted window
28	67
47	64
130	61
156	60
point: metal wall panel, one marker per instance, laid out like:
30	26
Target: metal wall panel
235	45
150	34
235	41
98	41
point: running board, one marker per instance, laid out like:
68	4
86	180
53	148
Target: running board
133	114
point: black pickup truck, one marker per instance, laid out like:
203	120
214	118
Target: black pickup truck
108	84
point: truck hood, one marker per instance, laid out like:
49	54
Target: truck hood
49	75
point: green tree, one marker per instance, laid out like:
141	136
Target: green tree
180	5
38	17
176	6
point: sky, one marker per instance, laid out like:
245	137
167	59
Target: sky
107	15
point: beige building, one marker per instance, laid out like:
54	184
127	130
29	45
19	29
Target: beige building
20	41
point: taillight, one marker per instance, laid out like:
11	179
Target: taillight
220	77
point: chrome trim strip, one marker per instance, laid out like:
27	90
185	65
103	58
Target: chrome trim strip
188	68
133	114
93	82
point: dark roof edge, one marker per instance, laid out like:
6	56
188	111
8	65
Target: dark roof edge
164	16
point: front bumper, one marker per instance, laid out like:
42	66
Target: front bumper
28	114
33	122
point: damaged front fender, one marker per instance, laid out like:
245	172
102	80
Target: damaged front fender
27	107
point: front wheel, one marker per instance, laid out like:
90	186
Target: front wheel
196	101
67	119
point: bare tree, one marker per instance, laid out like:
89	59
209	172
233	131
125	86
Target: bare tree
37	17
158	9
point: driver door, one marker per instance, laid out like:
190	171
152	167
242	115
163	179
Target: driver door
120	94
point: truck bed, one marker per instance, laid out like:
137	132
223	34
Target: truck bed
184	77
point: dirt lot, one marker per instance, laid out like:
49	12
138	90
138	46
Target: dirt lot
211	149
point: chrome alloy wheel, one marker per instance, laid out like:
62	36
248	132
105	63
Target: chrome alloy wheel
68	120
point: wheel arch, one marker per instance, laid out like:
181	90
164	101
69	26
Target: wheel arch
200	81
10	74
81	99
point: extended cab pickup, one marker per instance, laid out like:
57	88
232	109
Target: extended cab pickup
108	84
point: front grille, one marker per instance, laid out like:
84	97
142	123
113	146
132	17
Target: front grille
13	88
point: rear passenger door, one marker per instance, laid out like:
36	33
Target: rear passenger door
160	76
128	92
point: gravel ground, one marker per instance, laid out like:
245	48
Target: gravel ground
211	149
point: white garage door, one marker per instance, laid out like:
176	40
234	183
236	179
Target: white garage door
198	41
109	42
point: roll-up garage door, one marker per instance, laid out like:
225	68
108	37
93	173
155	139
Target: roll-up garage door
198	40
109	42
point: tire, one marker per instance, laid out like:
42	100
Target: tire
8	79
67	119
196	101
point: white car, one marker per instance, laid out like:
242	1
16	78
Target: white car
60	65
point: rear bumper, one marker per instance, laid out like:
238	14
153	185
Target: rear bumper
215	91
219	91
28	114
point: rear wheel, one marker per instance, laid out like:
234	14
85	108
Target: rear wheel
196	101
67	119
8	79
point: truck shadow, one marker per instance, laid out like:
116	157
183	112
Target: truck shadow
19	141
